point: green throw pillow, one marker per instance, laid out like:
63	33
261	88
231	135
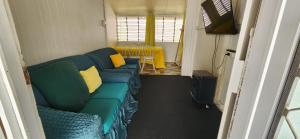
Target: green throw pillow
62	85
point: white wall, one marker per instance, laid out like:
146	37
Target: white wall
49	29
205	48
170	49
111	24
226	42
17	105
204	51
206	42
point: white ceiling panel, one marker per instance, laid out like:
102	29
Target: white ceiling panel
143	7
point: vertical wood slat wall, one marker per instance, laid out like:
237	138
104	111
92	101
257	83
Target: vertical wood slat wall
50	29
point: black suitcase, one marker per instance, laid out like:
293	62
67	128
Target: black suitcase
203	87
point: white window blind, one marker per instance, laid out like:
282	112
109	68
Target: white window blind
131	28
206	19
168	28
222	6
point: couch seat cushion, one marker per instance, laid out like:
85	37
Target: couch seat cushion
111	91
107	109
61	85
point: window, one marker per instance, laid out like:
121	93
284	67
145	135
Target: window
168	28
131	28
289	126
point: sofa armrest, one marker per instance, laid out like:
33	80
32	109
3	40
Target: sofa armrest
69	125
115	77
132	60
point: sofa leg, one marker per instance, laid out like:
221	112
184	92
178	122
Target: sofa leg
143	66
140	66
153	66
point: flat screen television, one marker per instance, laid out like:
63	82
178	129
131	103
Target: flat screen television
218	17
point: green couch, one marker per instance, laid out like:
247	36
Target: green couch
68	111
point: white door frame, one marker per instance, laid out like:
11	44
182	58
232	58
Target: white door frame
269	60
245	35
18	108
9	111
2	136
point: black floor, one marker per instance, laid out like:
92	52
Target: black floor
166	111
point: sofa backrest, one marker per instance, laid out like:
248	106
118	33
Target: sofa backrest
82	62
39	97
101	57
62	85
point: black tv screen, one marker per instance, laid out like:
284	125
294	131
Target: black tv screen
218	17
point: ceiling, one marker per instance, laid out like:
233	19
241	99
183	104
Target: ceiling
144	7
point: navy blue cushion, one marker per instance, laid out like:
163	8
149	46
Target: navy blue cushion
82	62
130	66
132	61
132	72
101	57
115	77
135	79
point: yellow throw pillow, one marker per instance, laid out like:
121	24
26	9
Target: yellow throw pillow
117	60
92	78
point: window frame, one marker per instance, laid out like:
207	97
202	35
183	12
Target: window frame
139	40
176	18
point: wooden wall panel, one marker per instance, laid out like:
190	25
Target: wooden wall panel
50	29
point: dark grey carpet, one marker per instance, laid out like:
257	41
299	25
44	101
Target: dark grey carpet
166	111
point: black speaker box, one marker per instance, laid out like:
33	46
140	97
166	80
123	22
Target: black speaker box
203	87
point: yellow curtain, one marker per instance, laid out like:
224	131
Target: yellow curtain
150	30
180	46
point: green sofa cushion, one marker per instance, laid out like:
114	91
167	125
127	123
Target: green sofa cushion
107	109
62	86
111	91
